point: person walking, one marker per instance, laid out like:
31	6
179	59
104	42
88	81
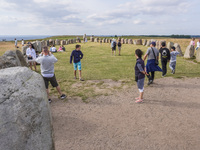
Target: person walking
165	57
172	64
22	42
152	62
47	61
198	45
113	46
16	43
119	44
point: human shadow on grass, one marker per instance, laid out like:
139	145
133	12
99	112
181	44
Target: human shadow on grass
189	105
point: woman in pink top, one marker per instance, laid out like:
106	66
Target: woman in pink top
60	49
192	42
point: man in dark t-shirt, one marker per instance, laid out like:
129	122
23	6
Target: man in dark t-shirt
165	57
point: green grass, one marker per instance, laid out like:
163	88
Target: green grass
98	64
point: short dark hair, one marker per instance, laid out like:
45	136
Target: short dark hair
77	46
163	44
174	48
139	53
45	48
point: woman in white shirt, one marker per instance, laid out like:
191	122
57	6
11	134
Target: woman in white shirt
31	55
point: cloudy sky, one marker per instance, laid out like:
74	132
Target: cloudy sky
99	17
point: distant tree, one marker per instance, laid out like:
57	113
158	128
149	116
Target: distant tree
115	35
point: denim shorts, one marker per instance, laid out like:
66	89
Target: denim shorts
78	64
140	83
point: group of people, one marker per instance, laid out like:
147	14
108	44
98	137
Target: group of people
47	60
193	43
114	44
152	56
54	50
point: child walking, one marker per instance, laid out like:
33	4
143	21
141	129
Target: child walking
76	56
140	74
172	64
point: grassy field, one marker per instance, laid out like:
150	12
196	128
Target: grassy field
99	66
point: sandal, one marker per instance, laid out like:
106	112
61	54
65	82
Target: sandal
139	101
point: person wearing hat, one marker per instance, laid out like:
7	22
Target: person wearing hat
152	56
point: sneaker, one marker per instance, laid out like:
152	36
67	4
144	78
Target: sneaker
173	72
81	79
150	82
63	96
50	100
75	78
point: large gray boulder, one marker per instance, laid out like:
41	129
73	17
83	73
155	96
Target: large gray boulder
24	48
148	43
189	53
25	120
57	42
12	59
91	39
178	48
122	41
39	46
130	41
145	42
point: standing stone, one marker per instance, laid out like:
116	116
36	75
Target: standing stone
134	42
84	37
198	56
66	42
145	42
74	40
43	44
63	42
39	46
178	48
25	120
47	43
57	42
96	40
104	40
91	39
110	40
148	43
69	41
170	45
122	40
189	53
119	39
24	48
51	42
12	59
139	42
78	40
126	41
158	46
130	41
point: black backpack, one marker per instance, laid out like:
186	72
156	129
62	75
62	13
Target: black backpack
114	44
119	44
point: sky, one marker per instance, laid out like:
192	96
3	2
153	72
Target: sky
99	17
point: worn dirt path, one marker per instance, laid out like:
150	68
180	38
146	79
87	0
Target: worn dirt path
169	119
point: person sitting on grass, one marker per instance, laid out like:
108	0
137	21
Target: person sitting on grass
172	64
53	49
140	74
63	48
47	61
60	49
76	56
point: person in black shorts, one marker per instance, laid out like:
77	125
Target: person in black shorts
47	61
113	46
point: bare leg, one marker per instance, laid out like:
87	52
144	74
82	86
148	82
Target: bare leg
141	95
35	66
74	73
79	74
119	52
59	90
115	53
112	53
31	65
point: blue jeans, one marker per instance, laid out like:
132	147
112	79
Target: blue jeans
172	65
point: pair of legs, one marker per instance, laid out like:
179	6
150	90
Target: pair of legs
172	66
140	84
119	48
79	74
113	51
54	83
151	77
34	64
164	67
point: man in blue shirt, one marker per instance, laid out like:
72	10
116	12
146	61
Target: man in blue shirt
76	56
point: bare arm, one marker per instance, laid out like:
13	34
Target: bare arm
145	57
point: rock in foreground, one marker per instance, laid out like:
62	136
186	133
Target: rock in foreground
25	120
